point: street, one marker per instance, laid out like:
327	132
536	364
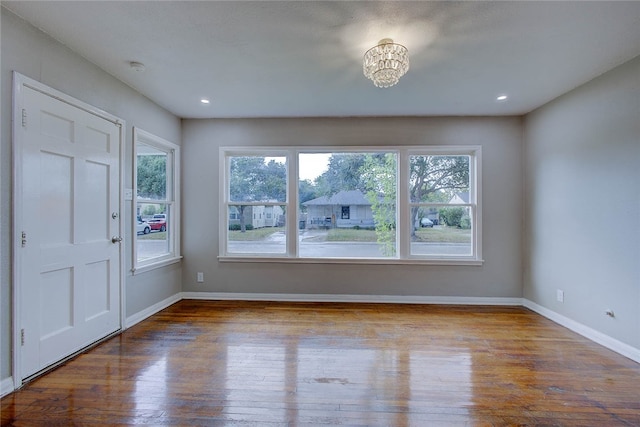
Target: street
275	244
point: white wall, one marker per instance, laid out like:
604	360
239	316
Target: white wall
500	276
34	54
582	229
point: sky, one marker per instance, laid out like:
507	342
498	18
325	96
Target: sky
310	166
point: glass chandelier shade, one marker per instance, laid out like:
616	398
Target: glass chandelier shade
385	63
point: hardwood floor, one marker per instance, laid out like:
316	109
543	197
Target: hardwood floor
252	363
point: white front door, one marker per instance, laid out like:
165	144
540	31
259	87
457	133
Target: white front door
69	260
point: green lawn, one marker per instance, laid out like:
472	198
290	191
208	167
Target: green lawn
253	235
154	235
351	235
443	234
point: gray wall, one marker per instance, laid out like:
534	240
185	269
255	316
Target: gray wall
500	276
34	54
582	230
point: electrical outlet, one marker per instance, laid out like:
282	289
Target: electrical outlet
560	295
200	277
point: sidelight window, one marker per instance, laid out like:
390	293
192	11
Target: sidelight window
156	201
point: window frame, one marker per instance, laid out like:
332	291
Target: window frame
172	200
403	241
475	188
226	202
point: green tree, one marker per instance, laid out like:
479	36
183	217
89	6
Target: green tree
252	179
149	210
436	179
152	176
343	173
379	175
306	191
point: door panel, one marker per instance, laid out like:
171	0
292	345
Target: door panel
56	189
69	268
95	198
56	298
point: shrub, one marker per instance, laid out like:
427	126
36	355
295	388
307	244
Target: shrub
236	227
465	222
149	210
452	216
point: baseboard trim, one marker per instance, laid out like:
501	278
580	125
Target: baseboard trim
150	311
394	299
587	332
6	386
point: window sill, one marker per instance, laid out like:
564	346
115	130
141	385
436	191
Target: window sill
356	261
158	264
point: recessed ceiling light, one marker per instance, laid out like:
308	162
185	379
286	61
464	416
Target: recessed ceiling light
502	98
205	101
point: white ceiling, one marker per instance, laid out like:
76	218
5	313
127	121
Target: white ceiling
304	58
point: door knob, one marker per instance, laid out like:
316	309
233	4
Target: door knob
116	239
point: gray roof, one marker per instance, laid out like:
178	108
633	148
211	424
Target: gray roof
464	195
345	198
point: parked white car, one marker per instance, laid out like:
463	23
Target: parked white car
143	227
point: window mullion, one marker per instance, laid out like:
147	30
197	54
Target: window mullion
403	231
292	204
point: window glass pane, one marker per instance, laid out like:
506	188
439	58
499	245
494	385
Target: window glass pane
152	230
152	172
438	179
347	205
441	231
258	179
256	229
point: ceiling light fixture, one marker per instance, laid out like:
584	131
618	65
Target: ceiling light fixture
205	101
385	63
502	98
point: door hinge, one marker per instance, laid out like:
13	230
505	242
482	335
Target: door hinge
24	118
24	239
21	336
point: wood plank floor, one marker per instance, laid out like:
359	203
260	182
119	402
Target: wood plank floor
253	363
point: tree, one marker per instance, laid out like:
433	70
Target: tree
343	173
152	176
306	191
149	210
254	180
379	176
436	179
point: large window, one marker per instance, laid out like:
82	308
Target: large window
156	201
374	204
